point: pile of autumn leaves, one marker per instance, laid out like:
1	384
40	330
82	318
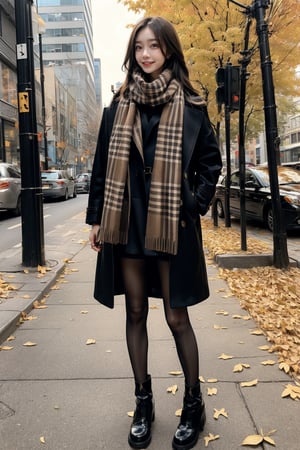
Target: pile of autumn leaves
271	296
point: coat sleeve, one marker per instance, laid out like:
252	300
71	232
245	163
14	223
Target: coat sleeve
206	166
96	195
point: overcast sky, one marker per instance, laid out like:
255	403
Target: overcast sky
110	40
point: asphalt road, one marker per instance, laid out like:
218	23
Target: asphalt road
56	214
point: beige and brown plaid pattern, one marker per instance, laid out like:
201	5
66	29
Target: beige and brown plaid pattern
164	201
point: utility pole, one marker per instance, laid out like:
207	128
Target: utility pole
31	194
280	253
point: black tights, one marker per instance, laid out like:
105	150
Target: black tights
134	274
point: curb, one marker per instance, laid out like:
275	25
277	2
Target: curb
13	309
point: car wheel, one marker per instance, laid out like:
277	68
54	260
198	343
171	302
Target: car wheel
74	193
220	209
269	218
17	211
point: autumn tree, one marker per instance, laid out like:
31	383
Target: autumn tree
212	34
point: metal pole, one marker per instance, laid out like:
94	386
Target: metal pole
42	81
31	197
228	165
242	160
280	253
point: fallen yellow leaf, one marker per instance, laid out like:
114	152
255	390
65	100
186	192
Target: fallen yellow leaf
29	344
253	439
240	367
172	389
220	412
5	347
249	383
178	412
42	440
212	391
175	372
269	362
91	341
130	413
212	380
210	437
224	356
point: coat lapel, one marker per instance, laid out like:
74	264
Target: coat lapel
192	120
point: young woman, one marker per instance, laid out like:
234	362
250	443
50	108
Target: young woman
155	170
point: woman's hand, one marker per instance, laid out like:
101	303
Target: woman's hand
95	244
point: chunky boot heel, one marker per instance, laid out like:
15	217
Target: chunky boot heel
140	431
192	419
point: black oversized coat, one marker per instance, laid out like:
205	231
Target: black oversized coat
201	166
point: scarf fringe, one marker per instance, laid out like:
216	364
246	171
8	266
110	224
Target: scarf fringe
113	236
161	245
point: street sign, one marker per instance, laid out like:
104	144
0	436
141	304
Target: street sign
21	51
24	102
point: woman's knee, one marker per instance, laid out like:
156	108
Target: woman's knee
137	313
178	322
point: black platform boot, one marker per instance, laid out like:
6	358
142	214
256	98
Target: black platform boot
192	419
140	431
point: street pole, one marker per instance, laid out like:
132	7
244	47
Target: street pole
228	165
242	157
42	80
280	253
31	194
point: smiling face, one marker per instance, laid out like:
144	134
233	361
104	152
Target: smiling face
148	53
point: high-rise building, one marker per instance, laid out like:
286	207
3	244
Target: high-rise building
68	46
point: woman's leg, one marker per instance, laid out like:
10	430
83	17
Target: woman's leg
133	271
181	328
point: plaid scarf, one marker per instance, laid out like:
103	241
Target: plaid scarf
165	190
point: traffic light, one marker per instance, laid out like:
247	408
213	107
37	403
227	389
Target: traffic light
233	83
220	92
228	90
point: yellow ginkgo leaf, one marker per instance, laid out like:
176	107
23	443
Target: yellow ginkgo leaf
42	440
175	373
178	412
253	439
269	440
257	332
264	347
90	341
172	389
84	311
224	356
240	367
285	367
11	338
29	344
220	412
249	383
212	380
220	327
5	347
212	391
130	413
269	362
210	437
202	379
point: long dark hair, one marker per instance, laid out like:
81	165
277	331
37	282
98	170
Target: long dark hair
170	45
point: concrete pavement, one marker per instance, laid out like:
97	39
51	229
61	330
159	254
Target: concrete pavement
75	396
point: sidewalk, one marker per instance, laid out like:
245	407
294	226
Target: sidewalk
76	396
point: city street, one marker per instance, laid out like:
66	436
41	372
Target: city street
65	379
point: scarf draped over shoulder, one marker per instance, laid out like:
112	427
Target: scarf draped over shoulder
165	190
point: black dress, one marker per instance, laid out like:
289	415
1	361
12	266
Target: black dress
140	183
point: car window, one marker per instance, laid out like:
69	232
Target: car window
235	179
13	173
51	175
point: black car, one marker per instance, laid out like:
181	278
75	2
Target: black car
258	196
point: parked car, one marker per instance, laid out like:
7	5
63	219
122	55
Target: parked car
10	188
294	164
58	184
83	181
258	196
